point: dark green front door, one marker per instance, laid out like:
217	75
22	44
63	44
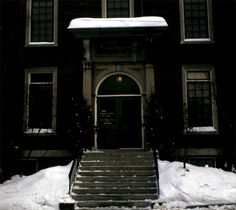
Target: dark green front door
119	122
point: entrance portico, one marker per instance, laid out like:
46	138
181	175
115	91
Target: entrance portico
118	97
117	76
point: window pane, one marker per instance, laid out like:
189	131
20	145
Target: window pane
196	19
118	84
40	106
197	75
48	77
117	8
199	104
42	21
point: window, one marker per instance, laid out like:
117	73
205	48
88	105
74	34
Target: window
117	8
118	84
42	26
40	101
200	109
196	23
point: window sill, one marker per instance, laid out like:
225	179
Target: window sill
40	132
201	130
41	44
197	41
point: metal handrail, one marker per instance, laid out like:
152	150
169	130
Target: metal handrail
73	169
155	156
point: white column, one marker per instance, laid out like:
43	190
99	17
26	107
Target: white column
150	80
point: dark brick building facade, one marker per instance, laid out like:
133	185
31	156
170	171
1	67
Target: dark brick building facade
176	83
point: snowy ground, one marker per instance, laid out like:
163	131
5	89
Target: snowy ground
40	191
179	188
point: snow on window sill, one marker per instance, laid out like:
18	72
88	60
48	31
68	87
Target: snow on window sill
39	131
41	44
197	41
201	130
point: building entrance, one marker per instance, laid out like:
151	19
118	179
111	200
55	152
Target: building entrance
119	113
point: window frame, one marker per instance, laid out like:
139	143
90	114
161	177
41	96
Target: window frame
185	40
104	8
40	70
29	24
211	129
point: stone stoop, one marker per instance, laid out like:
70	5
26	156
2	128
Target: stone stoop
115	179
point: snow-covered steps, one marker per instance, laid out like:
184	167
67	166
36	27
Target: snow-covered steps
115	179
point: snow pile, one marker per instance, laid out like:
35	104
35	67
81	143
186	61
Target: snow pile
195	185
41	190
179	188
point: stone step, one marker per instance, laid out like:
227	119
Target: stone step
116	173
118	157
100	197
116	163
114	184
118	152
117	168
111	190
117	179
122	203
111	208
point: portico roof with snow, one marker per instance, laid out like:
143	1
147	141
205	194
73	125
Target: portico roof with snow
117	26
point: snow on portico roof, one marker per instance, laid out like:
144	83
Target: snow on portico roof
117	26
89	23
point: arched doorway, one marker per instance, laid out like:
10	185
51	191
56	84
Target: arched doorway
118	117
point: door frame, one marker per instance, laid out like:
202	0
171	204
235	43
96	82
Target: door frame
119	95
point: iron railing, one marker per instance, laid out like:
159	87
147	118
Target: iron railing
156	157
73	169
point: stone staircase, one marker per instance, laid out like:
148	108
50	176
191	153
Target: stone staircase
115	179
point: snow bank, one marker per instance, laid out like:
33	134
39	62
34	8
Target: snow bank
179	188
41	190
195	185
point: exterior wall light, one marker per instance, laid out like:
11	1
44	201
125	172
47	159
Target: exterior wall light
119	78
